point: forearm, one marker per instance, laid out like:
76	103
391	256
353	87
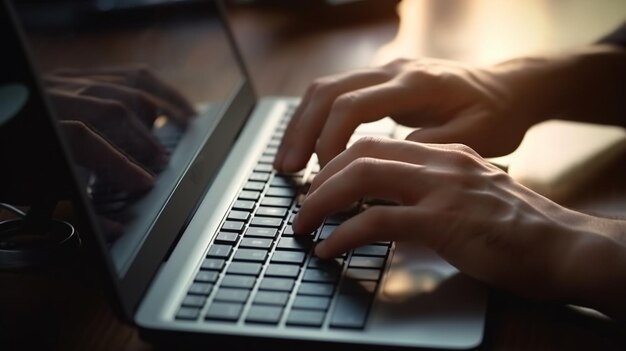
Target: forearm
588	85
592	271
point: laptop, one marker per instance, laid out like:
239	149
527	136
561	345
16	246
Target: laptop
206	255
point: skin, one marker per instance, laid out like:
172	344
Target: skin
446	195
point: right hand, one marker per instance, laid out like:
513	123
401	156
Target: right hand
448	102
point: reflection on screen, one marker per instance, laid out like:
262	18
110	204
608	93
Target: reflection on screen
136	94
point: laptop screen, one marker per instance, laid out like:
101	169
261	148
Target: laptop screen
140	96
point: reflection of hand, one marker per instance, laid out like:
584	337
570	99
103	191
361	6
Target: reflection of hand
108	114
452	103
473	215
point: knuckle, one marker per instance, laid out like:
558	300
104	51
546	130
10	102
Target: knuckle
345	103
362	167
365	145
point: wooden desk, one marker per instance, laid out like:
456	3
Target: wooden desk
286	46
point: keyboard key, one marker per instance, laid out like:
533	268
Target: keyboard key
259	177
232	295
238	281
258	243
326	231
299	243
267	159
363	274
266	211
367	262
311	302
214	264
244	268
261	232
238	215
335	263
276	202
263	168
266	222
317	289
277	284
219	251
270	151
281	192
232	226
288	231
250	255
350	311
293	257
227	238
206	276
305	318
282	270
351	286
188	313
194	301
275	298
249	195
224	311
243	205
283	182
371	250
200	289
264	314
254	186
321	275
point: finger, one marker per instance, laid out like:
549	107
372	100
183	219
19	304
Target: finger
378	148
304	129
116	123
362	106
379	223
140	78
94	152
383	179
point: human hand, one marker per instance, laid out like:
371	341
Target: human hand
472	214
107	114
448	101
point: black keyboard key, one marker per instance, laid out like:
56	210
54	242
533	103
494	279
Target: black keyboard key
227	238
266	211
371	250
282	270
250	255
238	281
351	286
213	264
277	284
321	275
219	251
235	215
232	295
232	226
275	298
261	232
283	182
249	195
244	205
316	289
306	318
363	274
367	262
224	311
326	231
316	262
264	314
298	243
206	276
281	192
244	268
293	257
311	302
276	202
266	222
188	313
350	311
200	289
194	301
257	243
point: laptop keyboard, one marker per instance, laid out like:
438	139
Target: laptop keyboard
256	271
